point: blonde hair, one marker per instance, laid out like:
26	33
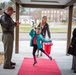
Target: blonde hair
44	17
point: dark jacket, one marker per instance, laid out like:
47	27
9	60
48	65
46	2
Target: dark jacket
7	23
39	39
73	41
44	30
72	50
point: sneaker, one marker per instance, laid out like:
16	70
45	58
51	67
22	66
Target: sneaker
75	71
37	55
50	58
34	63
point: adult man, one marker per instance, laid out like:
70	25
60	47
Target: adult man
8	26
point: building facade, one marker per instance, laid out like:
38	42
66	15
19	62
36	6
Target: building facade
55	15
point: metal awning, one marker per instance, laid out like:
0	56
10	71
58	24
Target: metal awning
45	3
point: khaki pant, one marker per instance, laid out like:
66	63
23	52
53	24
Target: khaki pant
7	40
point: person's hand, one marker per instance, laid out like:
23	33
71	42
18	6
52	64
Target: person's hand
34	28
18	23
70	45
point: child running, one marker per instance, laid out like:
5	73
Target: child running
36	39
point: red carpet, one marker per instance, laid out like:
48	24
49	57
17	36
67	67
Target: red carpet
43	67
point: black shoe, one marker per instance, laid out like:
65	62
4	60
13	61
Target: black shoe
9	67
12	63
50	58
72	68
34	63
41	54
75	71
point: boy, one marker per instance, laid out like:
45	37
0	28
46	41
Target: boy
36	39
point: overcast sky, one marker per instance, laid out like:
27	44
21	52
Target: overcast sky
4	1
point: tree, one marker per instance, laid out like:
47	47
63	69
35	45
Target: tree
74	12
4	5
36	14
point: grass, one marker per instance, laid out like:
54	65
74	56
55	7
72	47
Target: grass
27	28
65	23
58	30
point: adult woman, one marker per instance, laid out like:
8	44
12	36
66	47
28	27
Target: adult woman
73	50
45	28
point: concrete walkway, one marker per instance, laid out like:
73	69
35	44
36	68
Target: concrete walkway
58	53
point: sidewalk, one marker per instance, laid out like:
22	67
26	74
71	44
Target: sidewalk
58	53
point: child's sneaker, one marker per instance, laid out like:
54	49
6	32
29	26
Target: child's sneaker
50	58
34	63
37	55
41	54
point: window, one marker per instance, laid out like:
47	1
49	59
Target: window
51	15
51	11
42	11
58	11
54	11
61	12
45	11
48	11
